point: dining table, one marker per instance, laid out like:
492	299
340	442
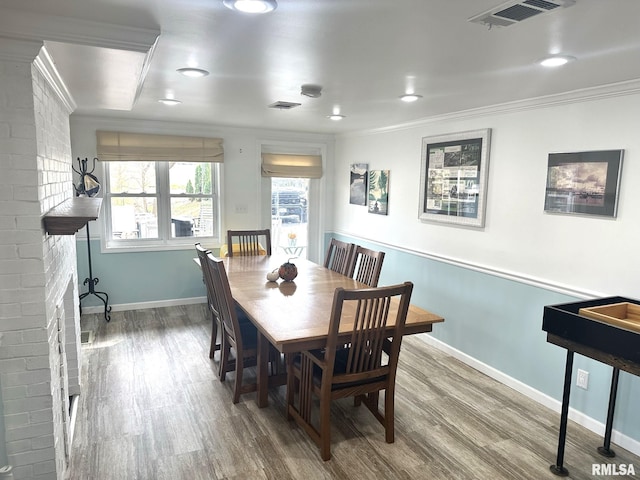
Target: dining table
294	316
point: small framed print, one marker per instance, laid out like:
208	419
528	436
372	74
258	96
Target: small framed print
358	183
379	192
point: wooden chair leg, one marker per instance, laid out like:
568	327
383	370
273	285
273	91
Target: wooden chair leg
291	382
224	359
389	419
214	337
237	387
325	429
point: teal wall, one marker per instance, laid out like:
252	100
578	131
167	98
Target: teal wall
498	321
137	277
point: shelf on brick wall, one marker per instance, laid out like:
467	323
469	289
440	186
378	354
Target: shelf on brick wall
71	215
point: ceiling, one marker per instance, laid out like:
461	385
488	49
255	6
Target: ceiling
364	54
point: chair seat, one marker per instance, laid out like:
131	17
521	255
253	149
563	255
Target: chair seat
340	367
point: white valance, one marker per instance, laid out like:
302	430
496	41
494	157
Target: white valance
291	166
143	147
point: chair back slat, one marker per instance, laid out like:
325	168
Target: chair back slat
366	265
249	242
368	335
338	257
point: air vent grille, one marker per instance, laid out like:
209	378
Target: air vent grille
518	11
542	4
284	105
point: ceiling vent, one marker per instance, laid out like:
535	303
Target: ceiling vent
515	12
284	105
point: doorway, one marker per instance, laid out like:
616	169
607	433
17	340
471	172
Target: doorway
290	216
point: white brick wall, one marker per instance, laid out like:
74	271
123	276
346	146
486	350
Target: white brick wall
38	275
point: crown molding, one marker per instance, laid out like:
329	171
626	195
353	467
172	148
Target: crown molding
19	24
618	89
46	66
22	51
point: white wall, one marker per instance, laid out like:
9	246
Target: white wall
587	254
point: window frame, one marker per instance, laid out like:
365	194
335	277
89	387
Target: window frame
163	198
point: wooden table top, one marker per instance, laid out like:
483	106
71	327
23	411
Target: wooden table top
295	315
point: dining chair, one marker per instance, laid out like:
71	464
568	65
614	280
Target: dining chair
366	265
249	242
338	257
211	298
241	337
359	371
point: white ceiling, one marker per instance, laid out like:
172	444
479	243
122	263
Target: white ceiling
364	53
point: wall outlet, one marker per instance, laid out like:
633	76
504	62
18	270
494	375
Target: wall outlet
582	380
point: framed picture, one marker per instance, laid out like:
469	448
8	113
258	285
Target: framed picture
378	196
584	183
453	179
358	184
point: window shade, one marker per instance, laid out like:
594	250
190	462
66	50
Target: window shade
123	146
291	166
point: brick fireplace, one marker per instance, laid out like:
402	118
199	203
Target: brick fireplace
39	313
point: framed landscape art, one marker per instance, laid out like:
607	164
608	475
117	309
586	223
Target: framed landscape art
583	183
453	180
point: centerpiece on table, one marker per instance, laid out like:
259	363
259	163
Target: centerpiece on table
287	272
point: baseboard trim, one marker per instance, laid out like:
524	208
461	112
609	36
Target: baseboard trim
142	305
580	418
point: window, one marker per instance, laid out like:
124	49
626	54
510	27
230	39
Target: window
160	204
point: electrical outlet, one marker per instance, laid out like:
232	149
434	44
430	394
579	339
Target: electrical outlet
582	380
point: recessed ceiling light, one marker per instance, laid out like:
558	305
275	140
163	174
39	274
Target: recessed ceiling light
251	6
169	101
556	60
193	72
410	97
335	117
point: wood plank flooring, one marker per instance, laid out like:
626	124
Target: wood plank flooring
153	408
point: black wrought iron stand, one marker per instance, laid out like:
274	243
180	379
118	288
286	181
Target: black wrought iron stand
89	186
93	281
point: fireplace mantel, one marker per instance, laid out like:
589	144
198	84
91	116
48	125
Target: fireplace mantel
71	215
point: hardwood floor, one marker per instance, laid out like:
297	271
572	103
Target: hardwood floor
153	408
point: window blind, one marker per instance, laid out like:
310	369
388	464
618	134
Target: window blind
291	166
125	146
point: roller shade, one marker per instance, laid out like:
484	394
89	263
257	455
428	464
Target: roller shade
291	166
124	146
